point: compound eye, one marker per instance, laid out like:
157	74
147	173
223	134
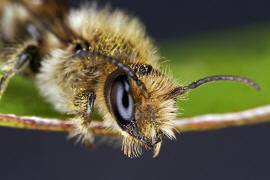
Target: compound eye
121	100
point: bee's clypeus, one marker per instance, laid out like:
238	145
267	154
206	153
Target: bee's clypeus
93	57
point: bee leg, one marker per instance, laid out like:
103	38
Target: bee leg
89	108
89	143
15	64
81	124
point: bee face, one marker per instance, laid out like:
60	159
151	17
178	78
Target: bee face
145	120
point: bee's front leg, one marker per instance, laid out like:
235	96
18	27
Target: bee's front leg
16	62
82	122
89	108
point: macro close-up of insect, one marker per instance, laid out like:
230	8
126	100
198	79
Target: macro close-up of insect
94	57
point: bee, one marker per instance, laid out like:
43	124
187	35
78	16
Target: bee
94	57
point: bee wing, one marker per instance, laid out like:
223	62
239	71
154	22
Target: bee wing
50	15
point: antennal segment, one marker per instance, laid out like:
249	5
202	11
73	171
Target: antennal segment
130	73
182	90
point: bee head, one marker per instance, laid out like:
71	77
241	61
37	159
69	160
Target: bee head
143	103
143	119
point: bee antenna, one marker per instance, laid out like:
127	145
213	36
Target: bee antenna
119	64
182	90
130	73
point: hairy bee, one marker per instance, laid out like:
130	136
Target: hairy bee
91	57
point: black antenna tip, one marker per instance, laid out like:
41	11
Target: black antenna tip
181	90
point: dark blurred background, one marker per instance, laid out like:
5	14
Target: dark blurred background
232	153
169	19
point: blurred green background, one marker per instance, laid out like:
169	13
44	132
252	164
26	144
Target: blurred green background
244	51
